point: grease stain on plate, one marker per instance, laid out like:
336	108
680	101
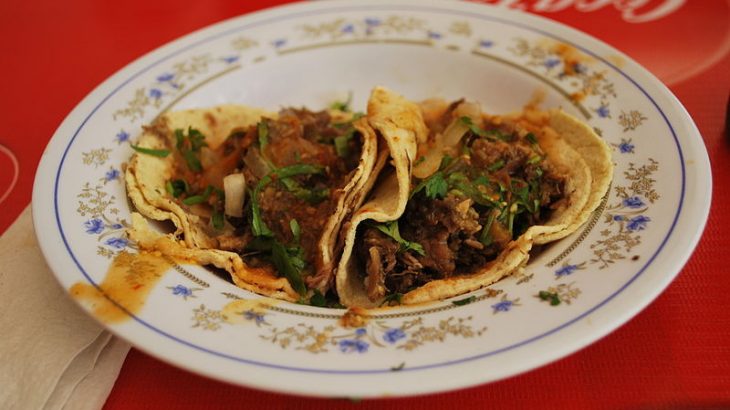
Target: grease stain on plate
128	282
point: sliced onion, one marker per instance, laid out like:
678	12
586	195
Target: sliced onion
256	163
450	138
471	110
208	157
453	133
234	186
431	159
432	110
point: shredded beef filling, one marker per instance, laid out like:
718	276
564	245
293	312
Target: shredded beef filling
494	194
296	137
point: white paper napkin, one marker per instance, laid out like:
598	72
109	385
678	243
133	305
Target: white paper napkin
52	355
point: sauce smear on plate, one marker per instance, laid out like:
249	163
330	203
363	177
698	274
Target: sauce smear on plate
128	282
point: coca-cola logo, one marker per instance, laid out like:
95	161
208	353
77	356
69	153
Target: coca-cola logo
632	11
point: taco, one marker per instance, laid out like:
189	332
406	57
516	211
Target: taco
261	195
481	191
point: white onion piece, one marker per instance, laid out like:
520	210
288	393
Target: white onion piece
431	159
234	186
208	157
471	110
453	133
256	163
446	142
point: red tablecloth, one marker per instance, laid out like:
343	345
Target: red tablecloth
675	354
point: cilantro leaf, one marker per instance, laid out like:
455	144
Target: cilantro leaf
493	135
465	301
177	187
552	297
485	237
192	160
461	182
197	139
258	226
199	199
445	162
499	164
342	143
179	138
313	196
393	298
435	186
262	129
343	105
290	262
189	146
162	153
318	299
391	229
534	160
217	219
296	230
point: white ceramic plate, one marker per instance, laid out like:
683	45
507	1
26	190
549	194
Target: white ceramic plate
313	53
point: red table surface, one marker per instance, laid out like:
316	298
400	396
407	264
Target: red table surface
674	354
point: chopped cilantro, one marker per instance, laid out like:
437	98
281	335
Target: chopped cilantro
162	153
189	146
313	196
296	230
290	262
496	165
488	134
177	187
435	186
391	229
393	298
481	180
318	299
199	199
486	237
534	160
262	129
521	191
445	162
464	301
197	139
511	222
258	226
531	138
553	298
461	182
355	116
343	105
192	160
342	143
217	219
